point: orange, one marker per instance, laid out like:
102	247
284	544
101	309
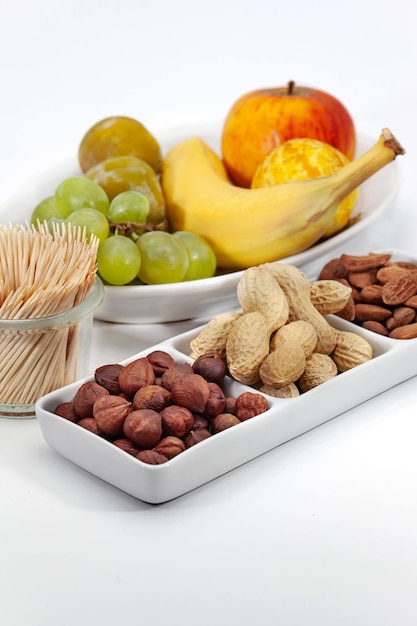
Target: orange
301	159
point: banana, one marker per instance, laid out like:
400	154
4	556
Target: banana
248	227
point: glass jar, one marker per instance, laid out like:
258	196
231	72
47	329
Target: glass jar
42	354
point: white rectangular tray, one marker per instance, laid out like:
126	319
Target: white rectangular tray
394	361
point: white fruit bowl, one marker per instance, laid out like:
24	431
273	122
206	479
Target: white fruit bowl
393	362
207	297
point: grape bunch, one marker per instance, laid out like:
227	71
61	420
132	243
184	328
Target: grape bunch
131	251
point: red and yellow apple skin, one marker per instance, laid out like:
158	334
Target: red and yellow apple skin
263	119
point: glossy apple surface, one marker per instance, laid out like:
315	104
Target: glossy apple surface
263	119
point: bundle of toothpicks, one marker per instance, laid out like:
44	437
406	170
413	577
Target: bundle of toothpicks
44	271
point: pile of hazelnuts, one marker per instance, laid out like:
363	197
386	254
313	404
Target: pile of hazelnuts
155	407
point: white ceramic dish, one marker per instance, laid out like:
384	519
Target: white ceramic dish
202	298
394	361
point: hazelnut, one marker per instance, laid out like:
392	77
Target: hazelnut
224	421
153	397
89	423
144	427
135	375
110	413
216	401
200	422
151	457
176	420
175	373
126	445
230	405
108	376
160	361
67	411
249	404
195	436
211	367
85	397
170	446
192	392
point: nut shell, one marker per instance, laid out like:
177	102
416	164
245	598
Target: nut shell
108	376
67	411
249	404
329	296
85	397
211	367
195	436
351	350
300	332
257	290
135	375
247	347
170	446
216	401
175	373
144	427
288	391
126	445
151	457
160	361
90	424
319	369
153	397
176	420
192	393
284	365
213	336
110	412
223	421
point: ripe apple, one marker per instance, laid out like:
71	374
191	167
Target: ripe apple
261	120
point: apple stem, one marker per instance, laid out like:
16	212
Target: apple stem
291	85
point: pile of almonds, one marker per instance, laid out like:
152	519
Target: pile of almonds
154	408
384	292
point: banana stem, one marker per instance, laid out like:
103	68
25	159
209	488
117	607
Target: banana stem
349	177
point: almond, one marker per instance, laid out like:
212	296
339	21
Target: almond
375	327
372	294
349	310
404	332
364	263
411	302
333	270
398	290
373	312
387	273
400	316
362	279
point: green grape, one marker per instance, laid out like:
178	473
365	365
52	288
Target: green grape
79	192
118	260
95	223
164	258
202	260
46	209
129	206
54	224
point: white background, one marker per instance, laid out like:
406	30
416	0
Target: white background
318	532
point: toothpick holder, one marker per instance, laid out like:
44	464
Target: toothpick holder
39	355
